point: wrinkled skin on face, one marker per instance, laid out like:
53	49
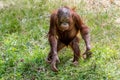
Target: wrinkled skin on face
64	19
65	27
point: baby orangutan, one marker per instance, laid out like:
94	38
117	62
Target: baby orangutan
65	25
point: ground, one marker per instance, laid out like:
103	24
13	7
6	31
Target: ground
24	25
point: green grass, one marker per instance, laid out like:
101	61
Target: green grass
24	46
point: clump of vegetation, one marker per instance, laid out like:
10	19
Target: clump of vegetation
24	46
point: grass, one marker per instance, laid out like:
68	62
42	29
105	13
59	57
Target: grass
24	46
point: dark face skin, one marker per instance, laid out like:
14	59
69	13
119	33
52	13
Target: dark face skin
64	17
